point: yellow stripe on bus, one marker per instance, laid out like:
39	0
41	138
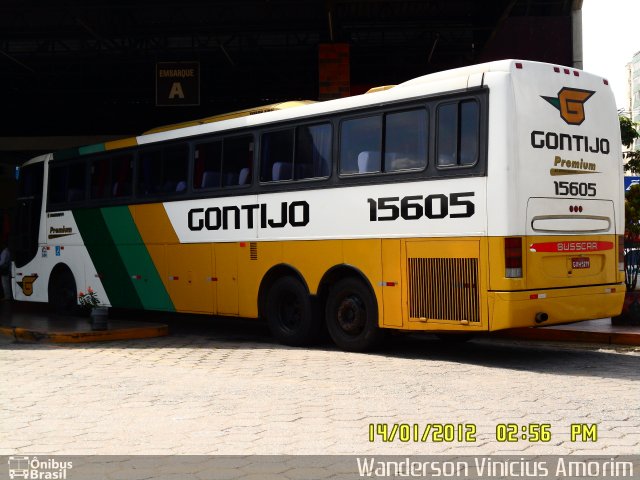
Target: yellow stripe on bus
124	143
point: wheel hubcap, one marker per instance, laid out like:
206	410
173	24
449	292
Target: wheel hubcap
352	315
290	312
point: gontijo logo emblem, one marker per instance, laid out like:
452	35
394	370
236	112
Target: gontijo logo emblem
570	102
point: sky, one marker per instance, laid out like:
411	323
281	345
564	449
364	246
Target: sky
610	37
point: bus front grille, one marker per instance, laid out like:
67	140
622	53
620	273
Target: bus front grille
443	289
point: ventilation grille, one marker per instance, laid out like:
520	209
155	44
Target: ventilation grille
444	288
253	250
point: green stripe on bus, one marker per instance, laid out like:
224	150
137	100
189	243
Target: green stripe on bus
97	148
134	254
65	154
106	258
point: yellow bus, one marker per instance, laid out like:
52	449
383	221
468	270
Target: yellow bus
472	200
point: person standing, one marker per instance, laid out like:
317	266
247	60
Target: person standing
5	270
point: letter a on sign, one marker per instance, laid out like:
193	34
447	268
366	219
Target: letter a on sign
176	91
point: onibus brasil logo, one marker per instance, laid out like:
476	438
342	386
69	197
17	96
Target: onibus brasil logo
570	102
32	468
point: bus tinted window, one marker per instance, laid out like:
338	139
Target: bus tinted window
277	156
30	184
163	172
207	165
311	159
223	163
313	151
405	140
122	175
67	183
77	185
458	133
447	134
237	160
57	184
469	131
100	178
360	147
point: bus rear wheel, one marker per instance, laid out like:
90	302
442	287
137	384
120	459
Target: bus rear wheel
289	313
352	316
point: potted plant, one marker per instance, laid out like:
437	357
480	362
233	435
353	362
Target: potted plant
98	314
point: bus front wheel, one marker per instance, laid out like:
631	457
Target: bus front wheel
352	316
289	313
62	291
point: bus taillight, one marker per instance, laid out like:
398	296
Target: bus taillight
621	253
513	257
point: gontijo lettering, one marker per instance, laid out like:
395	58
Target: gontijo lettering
564	141
232	217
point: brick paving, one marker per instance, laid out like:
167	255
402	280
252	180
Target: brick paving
225	388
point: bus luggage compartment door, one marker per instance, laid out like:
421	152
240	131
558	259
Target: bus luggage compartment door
570	242
444	282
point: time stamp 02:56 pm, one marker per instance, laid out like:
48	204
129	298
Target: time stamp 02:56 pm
466	432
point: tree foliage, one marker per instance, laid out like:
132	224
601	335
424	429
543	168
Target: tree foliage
628	133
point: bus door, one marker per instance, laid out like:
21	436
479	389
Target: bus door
26	226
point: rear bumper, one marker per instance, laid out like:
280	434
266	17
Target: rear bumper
563	305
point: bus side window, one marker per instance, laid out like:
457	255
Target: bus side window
100	179
149	172
447	134
313	151
207	165
469	132
58	183
405	141
122	175
360	145
175	165
163	171
237	160
77	184
458	133
277	156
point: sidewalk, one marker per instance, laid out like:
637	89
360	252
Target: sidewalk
32	324
590	331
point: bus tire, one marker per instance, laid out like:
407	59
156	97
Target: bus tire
289	313
62	291
352	316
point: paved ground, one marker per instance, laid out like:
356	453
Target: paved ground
225	388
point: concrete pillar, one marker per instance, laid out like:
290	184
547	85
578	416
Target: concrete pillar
576	24
334	71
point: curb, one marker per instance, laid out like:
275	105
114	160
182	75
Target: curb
612	338
131	333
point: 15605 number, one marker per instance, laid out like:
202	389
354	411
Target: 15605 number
414	207
575	189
